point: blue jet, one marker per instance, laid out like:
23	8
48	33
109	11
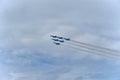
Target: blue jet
67	39
55	39
61	41
60	37
53	36
56	43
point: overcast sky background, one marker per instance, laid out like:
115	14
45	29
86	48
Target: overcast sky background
27	53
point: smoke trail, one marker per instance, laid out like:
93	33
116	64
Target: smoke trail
89	51
96	48
93	49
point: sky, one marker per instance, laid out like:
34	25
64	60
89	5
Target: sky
26	49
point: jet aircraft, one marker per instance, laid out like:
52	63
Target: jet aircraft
61	41
53	36
67	39
56	43
55	39
60	37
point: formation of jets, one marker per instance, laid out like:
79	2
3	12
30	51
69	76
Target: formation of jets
58	40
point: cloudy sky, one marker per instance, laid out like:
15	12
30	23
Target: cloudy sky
27	53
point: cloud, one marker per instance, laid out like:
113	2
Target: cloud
27	24
46	67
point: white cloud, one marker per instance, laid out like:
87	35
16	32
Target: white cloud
27	24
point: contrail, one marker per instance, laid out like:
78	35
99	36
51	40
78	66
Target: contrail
93	49
88	51
96	47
